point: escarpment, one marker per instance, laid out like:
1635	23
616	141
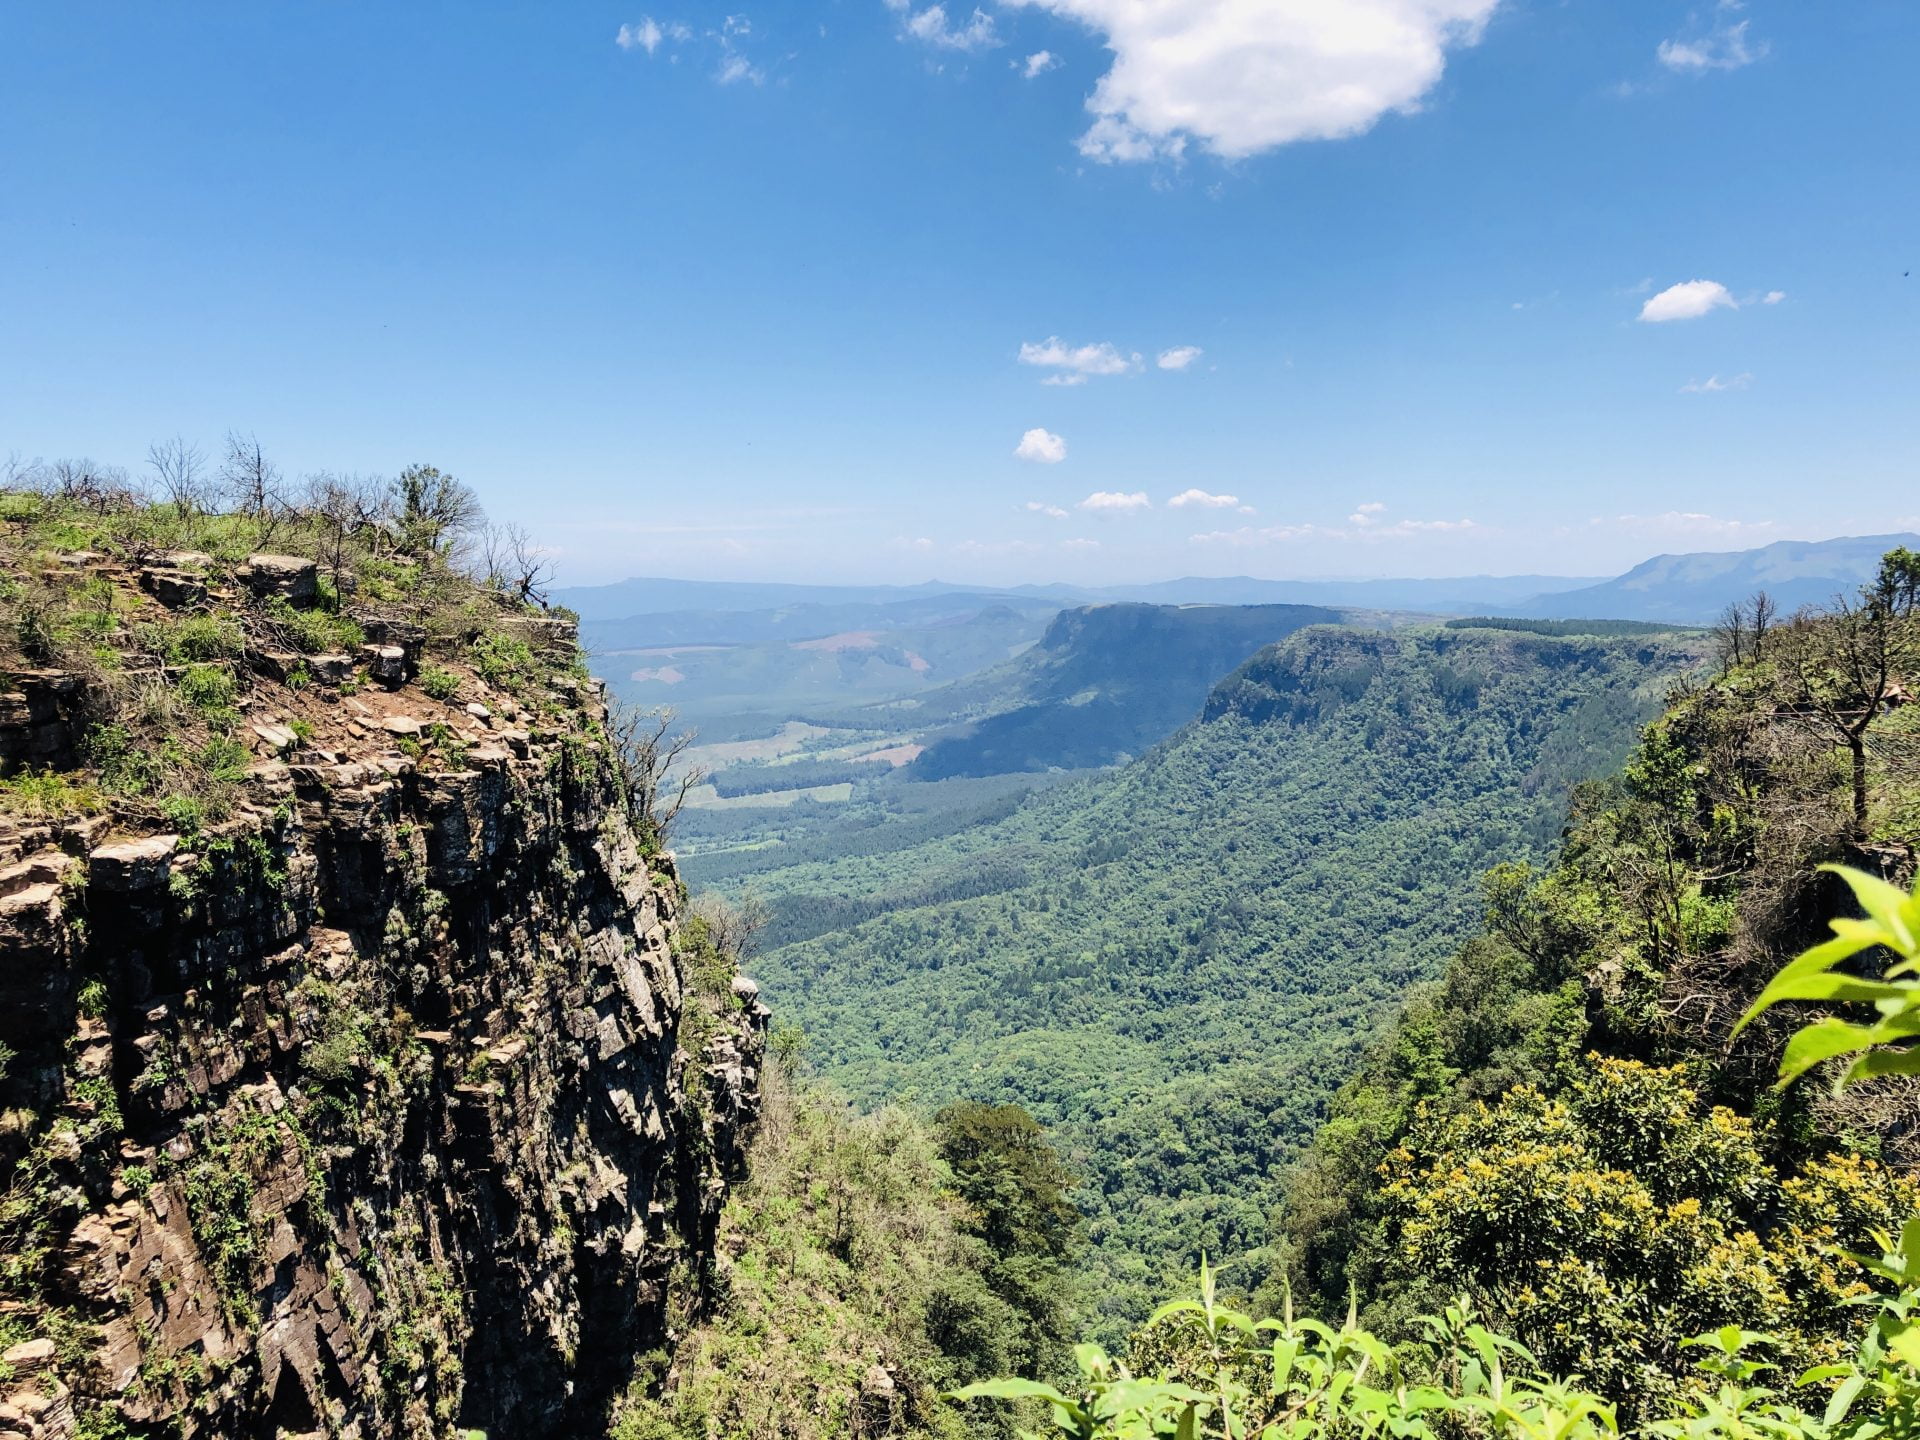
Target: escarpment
354	1083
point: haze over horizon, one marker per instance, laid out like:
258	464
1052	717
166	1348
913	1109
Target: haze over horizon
1047	290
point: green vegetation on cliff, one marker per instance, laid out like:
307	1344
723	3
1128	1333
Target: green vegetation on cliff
868	1264
1569	1126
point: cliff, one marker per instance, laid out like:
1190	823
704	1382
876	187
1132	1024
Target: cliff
357	1078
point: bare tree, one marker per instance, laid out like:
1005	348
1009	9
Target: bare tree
19	473
735	926
1844	668
514	565
652	755
180	471
251	480
1740	635
1763	612
346	508
87	482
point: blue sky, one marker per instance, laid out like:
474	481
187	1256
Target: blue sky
744	292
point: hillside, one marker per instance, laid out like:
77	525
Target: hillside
1173	965
1103	684
1695	589
1568	1126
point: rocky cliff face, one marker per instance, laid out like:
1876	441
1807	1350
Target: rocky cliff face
385	1105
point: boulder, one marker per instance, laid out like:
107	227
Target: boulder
294	579
175	589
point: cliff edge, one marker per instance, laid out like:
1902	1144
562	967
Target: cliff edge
355	1080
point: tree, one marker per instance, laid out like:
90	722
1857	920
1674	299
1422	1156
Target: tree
252	481
1741	634
345	506
514	565
433	511
1015	1187
1843	667
180	471
651	754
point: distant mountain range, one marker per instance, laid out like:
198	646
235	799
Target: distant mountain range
1690	589
1695	589
696	603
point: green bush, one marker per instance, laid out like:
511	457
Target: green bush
208	688
204	637
439	684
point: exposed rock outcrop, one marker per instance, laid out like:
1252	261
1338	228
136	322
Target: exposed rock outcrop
364	1111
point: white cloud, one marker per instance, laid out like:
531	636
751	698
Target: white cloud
933	26
1076	364
1714	385
1038	63
1079	544
1365	514
1113	502
1179	357
1040	507
912	542
1041	446
646	36
1203	500
1723	46
1242	76
1773	297
1688	300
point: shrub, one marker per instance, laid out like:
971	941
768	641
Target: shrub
204	637
438	683
46	794
315	632
208	688
504	661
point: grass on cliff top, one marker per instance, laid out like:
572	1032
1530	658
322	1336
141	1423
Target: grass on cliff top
160	719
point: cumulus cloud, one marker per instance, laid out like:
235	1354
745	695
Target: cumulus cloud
1040	507
1773	297
1720	45
1076	364
1079	544
1366	513
933	26
912	542
1243	76
1113	502
1202	500
1179	357
1688	300
1038	63
646	36
1041	446
1714	385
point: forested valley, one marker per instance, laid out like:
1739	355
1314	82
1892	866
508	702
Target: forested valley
1408	977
